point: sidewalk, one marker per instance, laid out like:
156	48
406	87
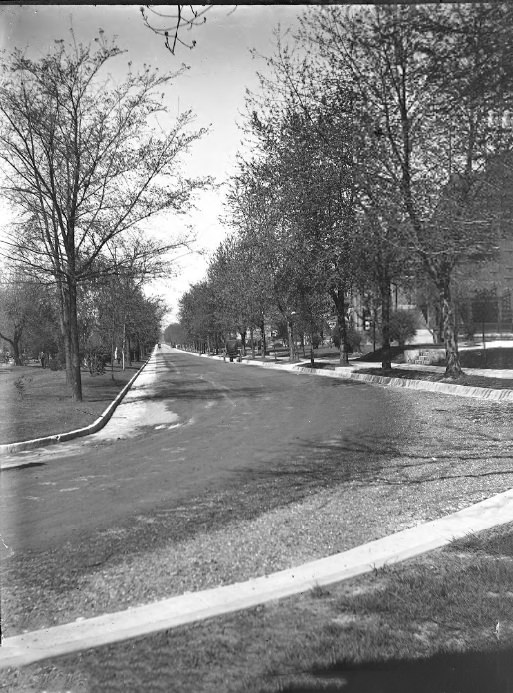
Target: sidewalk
132	404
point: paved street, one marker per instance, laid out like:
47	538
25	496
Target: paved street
222	423
212	473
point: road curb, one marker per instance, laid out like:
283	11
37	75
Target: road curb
504	395
136	622
97	425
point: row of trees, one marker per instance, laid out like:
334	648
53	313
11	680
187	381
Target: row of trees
85	161
376	159
115	318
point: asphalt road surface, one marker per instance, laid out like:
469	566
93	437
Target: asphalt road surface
224	422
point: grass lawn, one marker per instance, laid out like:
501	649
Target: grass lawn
441	623
493	357
468	380
36	402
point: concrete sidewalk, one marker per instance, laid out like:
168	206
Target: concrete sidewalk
138	388
136	622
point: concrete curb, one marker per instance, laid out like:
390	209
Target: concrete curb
351	373
491	394
77	433
503	395
135	622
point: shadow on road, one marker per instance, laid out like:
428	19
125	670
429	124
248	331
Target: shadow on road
199	390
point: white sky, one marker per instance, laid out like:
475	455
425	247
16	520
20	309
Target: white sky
221	68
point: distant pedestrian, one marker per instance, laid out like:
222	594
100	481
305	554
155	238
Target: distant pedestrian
42	358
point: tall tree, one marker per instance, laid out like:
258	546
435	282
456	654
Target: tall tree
427	79
84	163
305	126
197	314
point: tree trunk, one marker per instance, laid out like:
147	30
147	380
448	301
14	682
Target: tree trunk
64	327
17	348
386	361
290	337
123	346
452	359
15	344
75	345
339	300
69	329
262	330
243	339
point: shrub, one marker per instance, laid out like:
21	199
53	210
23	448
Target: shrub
353	339
403	326
56	363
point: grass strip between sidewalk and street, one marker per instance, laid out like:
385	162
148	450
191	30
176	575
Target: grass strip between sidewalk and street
36	402
466	380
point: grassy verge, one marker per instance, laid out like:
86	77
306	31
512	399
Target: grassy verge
36	402
490	357
467	380
429	625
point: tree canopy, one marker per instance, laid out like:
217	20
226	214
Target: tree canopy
85	163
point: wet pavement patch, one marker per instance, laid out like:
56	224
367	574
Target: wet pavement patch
461	672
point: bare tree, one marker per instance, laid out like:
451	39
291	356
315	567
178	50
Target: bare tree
85	161
171	25
174	22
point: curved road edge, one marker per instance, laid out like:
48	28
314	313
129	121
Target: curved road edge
136	622
100	422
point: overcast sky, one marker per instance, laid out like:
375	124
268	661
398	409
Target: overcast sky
221	68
